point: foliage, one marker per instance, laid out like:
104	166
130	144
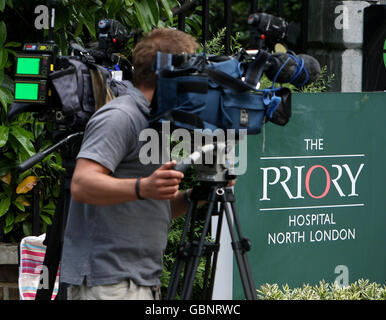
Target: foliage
19	140
323	84
24	136
359	290
77	20
216	46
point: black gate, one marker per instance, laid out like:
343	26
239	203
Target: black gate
187	5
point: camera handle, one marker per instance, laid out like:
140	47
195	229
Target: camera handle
29	163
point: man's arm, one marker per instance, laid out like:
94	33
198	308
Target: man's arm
92	183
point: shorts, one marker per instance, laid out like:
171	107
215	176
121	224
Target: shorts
124	290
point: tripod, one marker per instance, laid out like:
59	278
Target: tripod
54	236
191	250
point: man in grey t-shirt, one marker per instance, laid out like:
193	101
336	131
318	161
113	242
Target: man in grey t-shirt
120	211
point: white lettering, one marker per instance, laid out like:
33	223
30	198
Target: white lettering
42	20
353	179
343	279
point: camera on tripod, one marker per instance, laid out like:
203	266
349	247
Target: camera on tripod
209	94
63	89
269	25
272	33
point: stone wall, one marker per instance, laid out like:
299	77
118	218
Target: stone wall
9	272
335	38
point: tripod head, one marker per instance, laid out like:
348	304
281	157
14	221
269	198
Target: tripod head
211	163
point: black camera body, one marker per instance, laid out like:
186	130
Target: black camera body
38	63
267	29
112	35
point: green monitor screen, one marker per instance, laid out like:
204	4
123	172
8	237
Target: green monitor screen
26	91
28	66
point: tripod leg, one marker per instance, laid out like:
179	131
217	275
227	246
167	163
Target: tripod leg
192	267
246	263
240	249
178	265
209	293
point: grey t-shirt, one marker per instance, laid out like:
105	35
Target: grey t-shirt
106	244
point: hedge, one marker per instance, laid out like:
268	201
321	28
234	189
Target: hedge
361	289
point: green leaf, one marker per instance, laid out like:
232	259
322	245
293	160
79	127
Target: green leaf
49	208
168	10
12	44
78	29
28	134
3	33
8	229
3	135
21	217
2	5
5	167
8	84
4	206
152	11
27	228
5	98
88	20
46	219
9	220
23	140
19	205
141	16
3	57
108	5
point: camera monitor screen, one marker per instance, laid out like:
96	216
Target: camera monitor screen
26	91
33	66
28	66
32	91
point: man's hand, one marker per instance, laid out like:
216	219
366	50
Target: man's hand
162	184
232	183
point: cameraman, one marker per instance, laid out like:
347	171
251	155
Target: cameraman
119	216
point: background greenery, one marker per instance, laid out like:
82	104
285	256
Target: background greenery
24	136
77	21
359	290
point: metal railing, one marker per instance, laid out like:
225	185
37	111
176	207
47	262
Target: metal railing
188	5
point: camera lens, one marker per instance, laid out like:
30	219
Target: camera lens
102	24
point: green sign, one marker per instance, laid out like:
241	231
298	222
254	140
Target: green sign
313	199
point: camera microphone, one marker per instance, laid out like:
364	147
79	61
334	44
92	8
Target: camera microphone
298	70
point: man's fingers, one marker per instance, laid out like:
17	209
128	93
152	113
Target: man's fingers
168	196
168	190
169	174
168	182
167	165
